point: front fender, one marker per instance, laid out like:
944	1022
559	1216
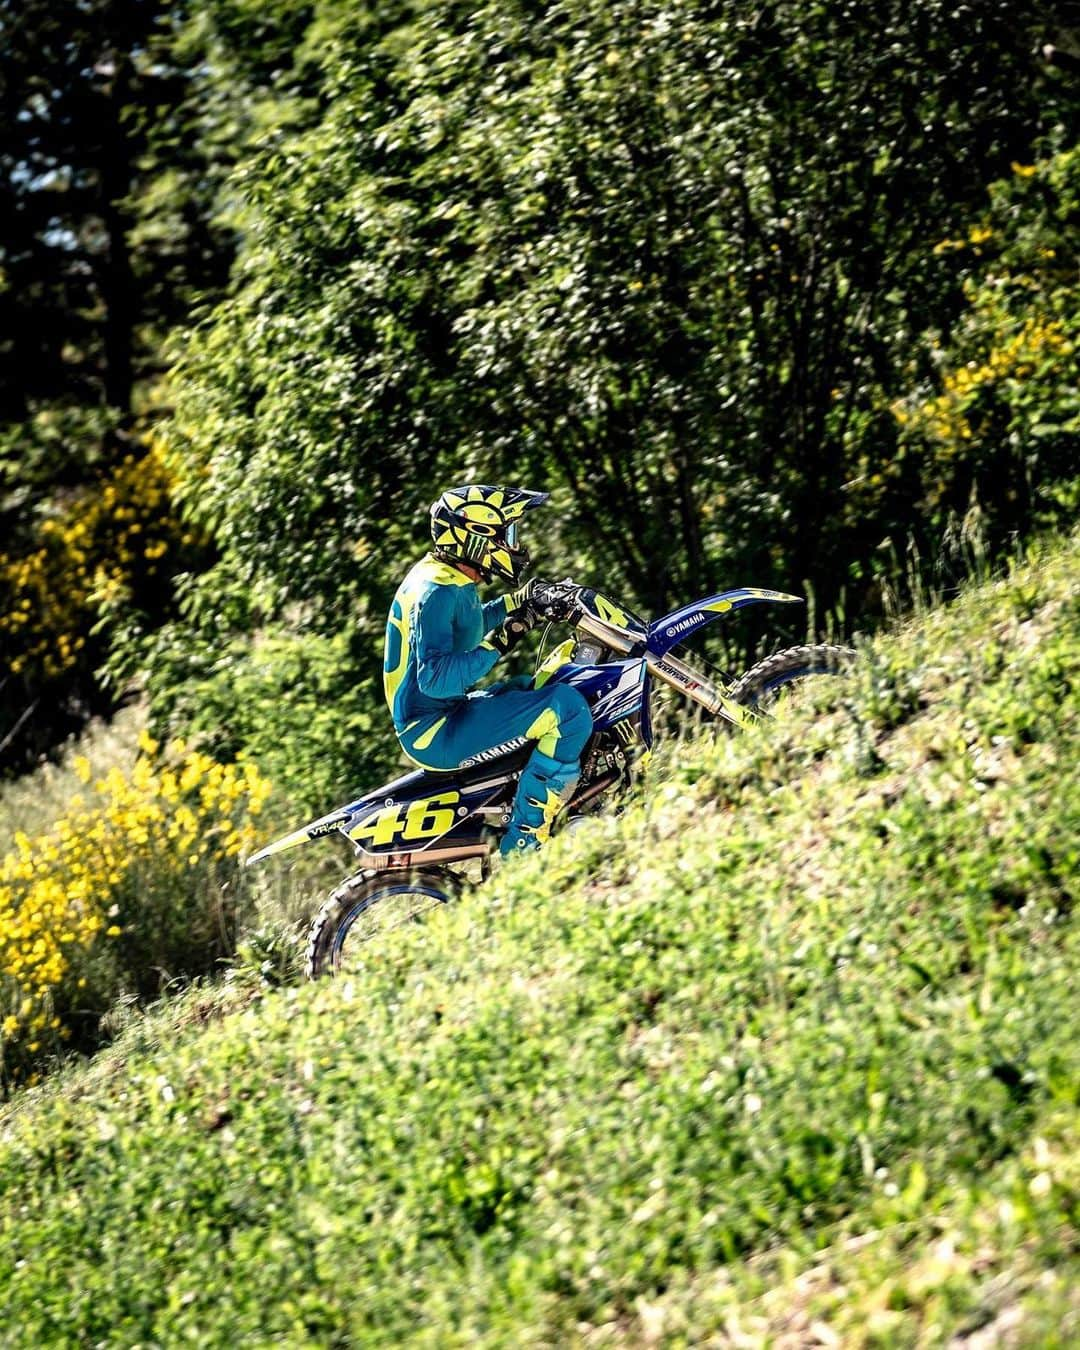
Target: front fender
674	628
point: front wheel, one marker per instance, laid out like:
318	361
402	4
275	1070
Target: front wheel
762	683
371	905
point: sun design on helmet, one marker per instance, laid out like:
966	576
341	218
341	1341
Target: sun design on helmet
478	525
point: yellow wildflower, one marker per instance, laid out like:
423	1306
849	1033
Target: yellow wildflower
58	890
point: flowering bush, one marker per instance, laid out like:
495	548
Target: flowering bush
1033	351
111	540
1000	427
136	883
100	562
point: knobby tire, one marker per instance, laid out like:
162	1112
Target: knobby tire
356	900
787	666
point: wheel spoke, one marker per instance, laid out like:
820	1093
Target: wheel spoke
375	917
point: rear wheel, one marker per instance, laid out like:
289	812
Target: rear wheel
761	684
370	906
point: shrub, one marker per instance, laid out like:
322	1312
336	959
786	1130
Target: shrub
136	883
307	708
102	542
112	547
1000	426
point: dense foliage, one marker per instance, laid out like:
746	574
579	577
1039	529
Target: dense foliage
681	266
692	268
996	428
673	260
645	1089
112	546
120	122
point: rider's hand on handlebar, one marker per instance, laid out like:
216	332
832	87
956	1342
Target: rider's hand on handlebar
538	601
554	601
542	602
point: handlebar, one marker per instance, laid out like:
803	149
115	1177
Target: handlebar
683	678
556	601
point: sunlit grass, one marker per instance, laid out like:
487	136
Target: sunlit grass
787	1050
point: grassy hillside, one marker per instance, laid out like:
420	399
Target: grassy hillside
789	1053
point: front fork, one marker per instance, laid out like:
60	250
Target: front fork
693	684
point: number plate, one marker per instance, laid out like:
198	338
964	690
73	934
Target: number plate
407	822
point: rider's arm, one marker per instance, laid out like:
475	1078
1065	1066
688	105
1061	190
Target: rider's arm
495	612
442	672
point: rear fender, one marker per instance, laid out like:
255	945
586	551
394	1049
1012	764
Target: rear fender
406	822
674	628
317	829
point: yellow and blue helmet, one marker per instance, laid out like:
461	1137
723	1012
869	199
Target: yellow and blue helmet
478	525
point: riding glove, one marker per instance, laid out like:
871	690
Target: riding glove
552	600
510	633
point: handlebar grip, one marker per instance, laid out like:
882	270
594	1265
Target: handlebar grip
555	601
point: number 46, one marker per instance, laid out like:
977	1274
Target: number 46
425	818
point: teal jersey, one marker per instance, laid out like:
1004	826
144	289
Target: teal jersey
435	649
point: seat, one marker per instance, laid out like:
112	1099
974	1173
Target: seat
413	783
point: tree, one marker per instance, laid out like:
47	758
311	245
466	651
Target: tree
669	261
107	237
122	121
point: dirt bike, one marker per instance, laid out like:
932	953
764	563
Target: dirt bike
417	835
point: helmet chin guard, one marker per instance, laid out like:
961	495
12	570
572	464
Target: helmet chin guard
478	525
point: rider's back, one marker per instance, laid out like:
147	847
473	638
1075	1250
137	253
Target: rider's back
434	635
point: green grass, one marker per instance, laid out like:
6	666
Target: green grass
787	1054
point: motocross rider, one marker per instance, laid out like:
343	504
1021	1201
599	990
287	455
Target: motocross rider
440	640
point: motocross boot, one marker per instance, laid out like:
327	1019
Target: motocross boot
545	785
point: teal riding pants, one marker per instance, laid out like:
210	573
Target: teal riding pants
556	718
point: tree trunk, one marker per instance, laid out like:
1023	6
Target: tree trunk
117	278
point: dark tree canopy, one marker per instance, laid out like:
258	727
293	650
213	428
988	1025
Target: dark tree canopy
671	261
710	273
